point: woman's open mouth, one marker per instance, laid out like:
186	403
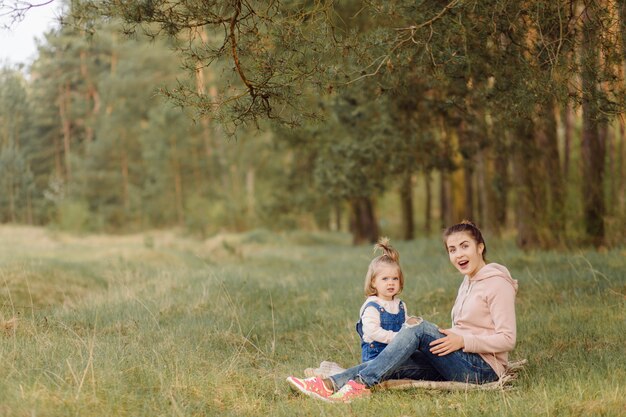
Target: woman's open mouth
463	264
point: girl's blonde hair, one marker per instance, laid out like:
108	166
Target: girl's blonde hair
390	256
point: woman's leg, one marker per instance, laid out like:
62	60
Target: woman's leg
416	367
464	367
456	366
393	358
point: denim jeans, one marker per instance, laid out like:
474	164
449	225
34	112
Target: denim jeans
408	356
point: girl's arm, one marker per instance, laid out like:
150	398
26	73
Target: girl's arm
372	332
406	312
501	303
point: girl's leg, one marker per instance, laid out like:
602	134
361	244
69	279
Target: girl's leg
339	380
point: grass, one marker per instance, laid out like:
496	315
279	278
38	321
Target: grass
161	325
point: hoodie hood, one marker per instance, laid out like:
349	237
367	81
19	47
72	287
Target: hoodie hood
494	270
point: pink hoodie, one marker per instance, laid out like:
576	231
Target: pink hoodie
484	314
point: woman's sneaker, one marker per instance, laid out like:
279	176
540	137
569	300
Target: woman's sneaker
352	390
313	387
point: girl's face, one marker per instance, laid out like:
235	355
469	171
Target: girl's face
465	254
387	282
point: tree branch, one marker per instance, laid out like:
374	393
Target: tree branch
410	37
413	28
18	8
233	46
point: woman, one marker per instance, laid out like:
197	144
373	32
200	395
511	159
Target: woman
475	349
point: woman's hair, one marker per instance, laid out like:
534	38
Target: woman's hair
468	227
390	256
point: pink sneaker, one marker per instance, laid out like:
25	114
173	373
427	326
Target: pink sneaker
313	387
352	390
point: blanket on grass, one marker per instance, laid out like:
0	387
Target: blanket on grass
328	368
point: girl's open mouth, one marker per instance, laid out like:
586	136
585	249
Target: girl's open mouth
463	263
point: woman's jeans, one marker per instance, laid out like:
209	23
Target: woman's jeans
408	357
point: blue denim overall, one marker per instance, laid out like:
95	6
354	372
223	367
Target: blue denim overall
388	321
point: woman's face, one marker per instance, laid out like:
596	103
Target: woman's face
465	254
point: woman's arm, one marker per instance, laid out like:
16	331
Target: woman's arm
501	304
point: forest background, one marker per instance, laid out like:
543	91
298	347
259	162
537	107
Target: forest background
171	169
398	117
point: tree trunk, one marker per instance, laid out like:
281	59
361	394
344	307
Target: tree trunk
29	208
213	150
483	192
457	179
445	185
621	165
500	182
64	110
58	157
613	175
406	202
568	129
250	199
622	19
125	176
201	89
468	177
178	182
547	142
90	94
620	134
428	216
530	200
466	207
338	211
592	146
12	186
364	224
445	199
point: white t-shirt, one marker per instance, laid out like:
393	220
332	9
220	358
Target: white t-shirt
372	332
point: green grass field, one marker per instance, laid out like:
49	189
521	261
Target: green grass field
161	325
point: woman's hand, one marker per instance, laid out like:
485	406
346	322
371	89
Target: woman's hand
451	343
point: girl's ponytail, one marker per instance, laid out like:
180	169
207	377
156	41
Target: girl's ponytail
387	249
389	256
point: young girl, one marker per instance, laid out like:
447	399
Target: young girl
475	349
382	314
